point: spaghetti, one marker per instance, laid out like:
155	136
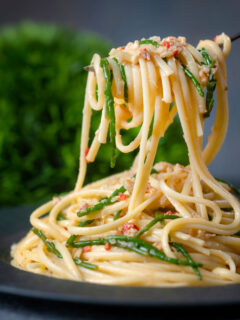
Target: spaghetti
154	225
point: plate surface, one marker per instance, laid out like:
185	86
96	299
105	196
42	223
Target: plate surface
14	223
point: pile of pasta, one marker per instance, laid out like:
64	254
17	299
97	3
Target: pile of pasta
155	224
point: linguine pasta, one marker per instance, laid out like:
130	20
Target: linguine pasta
153	225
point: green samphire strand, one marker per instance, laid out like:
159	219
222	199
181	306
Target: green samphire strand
109	102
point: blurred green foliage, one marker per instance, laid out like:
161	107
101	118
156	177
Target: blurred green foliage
42	87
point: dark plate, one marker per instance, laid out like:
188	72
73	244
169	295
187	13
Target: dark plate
14	225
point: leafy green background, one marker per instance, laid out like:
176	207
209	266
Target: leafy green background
42	86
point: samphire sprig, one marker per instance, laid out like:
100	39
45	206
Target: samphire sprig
109	104
211	84
102	203
158	218
51	248
141	247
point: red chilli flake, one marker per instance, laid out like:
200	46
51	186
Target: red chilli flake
128	226
166	44
108	246
215	39
87	249
122	197
171	213
86	153
175	52
122	48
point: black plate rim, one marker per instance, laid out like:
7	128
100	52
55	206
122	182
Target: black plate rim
25	284
228	295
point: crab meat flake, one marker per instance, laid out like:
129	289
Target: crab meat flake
129	184
155	38
179	168
129	229
203	76
145	54
164	167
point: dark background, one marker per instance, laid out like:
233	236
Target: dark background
122	21
125	20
